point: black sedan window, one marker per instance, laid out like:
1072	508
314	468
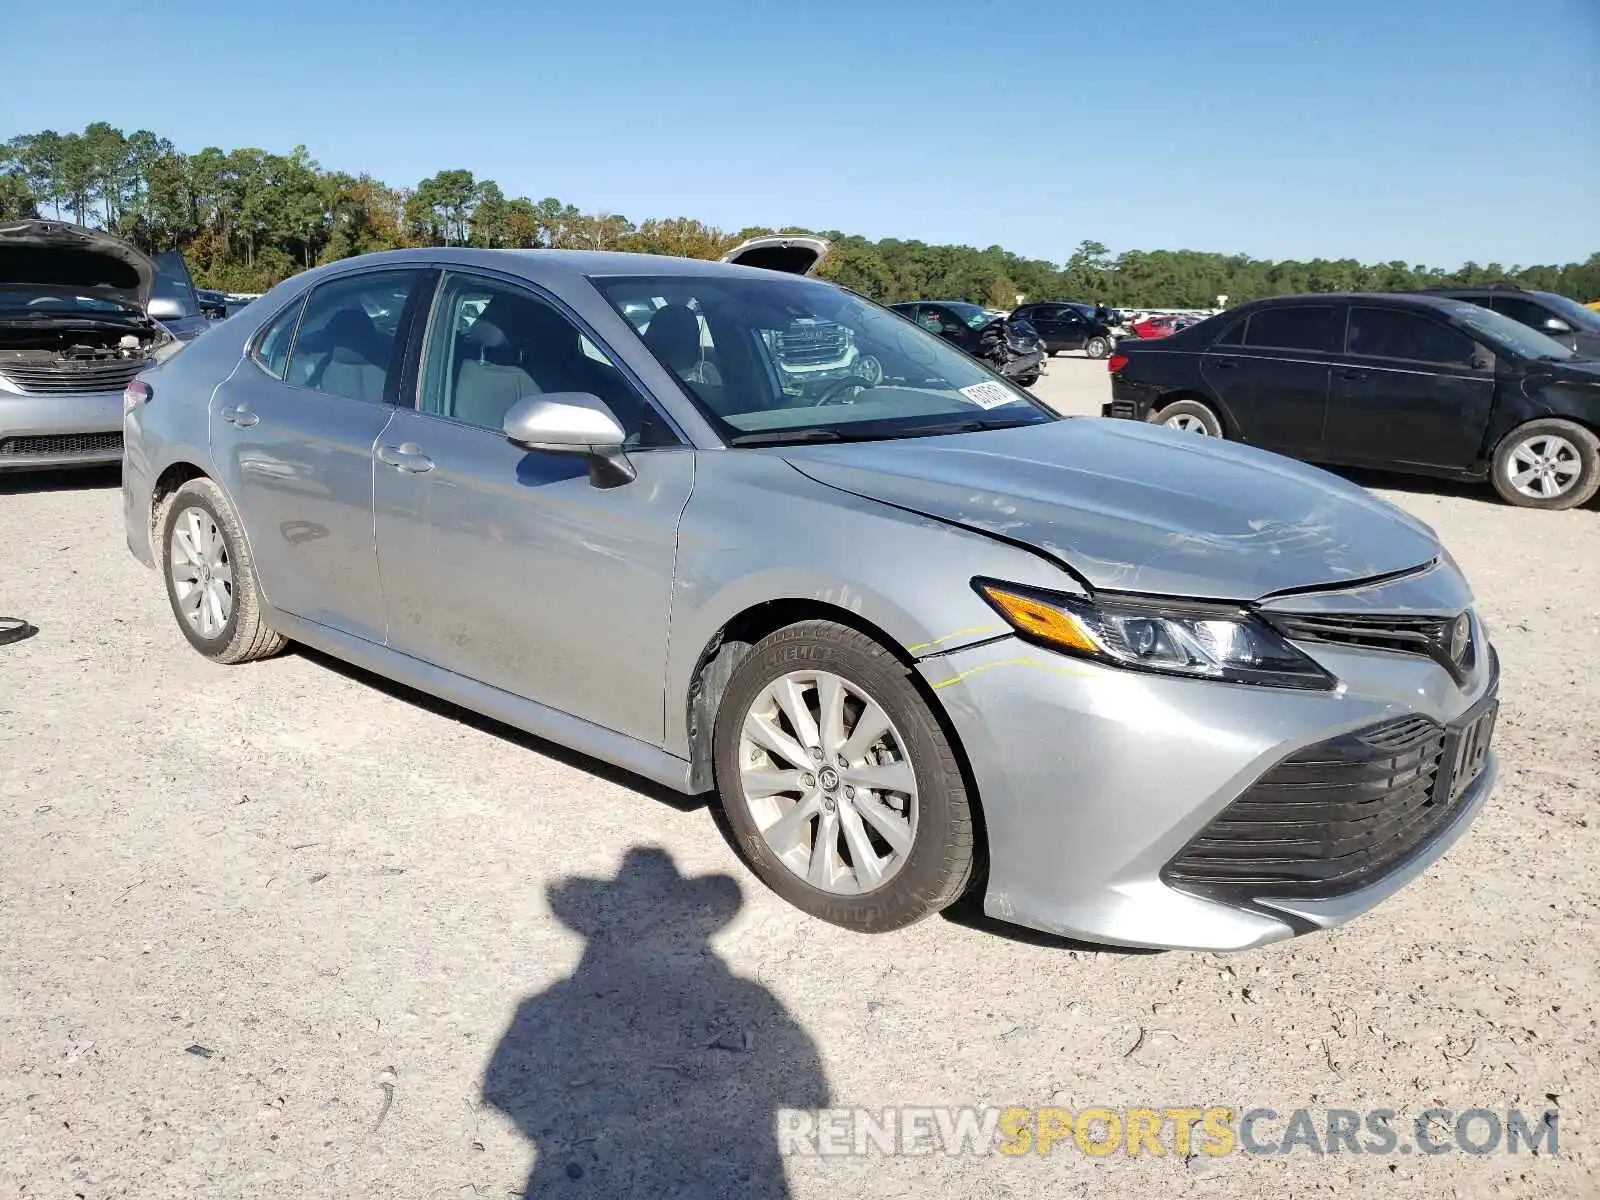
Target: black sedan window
1390	333
1301	327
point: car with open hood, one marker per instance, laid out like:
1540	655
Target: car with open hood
919	635
81	313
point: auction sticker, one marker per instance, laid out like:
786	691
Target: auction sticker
989	394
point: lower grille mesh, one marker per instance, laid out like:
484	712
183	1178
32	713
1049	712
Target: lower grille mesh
1325	820
61	443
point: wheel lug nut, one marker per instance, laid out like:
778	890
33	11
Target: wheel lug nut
840	759
816	754
809	779
849	792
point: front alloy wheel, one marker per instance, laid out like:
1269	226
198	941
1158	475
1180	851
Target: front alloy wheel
827	781
1550	463
838	782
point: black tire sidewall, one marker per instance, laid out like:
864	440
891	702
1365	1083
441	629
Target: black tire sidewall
187	498
1588	455
924	884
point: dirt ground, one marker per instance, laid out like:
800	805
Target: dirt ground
287	930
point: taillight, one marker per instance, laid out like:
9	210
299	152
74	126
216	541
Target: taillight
136	393
1116	362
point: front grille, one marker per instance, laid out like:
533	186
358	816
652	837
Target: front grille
61	444
1325	820
1405	634
73	375
812	345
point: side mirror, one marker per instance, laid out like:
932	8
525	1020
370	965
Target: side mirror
1556	325
572	422
165	308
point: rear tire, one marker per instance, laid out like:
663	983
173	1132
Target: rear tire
1550	464
211	579
872	845
1190	416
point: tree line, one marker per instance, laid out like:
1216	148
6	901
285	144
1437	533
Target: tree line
246	219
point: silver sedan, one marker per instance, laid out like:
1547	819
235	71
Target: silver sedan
737	530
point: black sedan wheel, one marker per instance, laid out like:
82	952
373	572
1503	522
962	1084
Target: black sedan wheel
1190	416
1097	347
1550	464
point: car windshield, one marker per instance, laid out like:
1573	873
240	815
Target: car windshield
1514	335
791	359
972	314
54	300
1573	313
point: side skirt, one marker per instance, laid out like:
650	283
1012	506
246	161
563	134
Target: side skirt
585	737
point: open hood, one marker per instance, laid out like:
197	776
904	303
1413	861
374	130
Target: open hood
795	255
1136	508
67	257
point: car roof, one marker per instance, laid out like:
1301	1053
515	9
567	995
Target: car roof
1435	301
549	266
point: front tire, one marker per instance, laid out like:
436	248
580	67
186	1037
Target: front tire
1097	347
1028	381
1550	464
840	787
211	580
1190	416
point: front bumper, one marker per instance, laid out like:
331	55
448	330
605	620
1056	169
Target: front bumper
71	429
1093	779
1030	363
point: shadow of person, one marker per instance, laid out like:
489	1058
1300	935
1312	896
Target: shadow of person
653	1071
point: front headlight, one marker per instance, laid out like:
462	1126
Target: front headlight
1175	637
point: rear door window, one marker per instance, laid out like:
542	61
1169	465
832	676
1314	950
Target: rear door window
1298	327
1391	333
272	347
349	334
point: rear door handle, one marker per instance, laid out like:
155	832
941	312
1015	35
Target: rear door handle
1352	373
407	456
240	416
1225	364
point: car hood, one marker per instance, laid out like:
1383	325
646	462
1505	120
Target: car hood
794	255
1138	508
59	255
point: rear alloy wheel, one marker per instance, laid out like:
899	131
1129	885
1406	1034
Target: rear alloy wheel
1097	347
211	582
838	783
1190	416
1550	464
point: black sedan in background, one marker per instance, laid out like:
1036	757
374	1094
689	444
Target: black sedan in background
1404	382
1068	327
1009	344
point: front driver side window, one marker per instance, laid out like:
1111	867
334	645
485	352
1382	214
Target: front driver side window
492	344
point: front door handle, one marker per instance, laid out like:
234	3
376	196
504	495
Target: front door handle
1352	373
240	416
407	456
1224	364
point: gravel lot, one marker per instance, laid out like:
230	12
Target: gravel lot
289	930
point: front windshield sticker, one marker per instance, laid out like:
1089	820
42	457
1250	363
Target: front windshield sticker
989	394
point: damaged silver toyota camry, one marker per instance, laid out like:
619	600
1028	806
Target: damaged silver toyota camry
738	530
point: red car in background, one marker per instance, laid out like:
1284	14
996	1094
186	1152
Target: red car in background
1158	326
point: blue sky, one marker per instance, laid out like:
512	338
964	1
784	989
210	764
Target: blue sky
1425	130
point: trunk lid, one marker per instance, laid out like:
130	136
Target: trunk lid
793	255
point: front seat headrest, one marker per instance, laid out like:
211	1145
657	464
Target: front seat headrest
673	335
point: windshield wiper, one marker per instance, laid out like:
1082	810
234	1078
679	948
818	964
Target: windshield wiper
780	437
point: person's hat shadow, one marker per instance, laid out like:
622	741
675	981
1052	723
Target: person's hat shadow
653	1071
